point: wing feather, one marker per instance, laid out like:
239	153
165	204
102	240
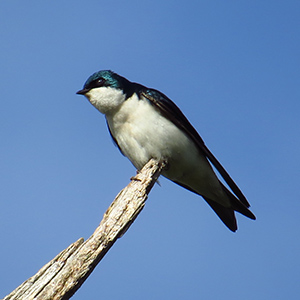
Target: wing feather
169	109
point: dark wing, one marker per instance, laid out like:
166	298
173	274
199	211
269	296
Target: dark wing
169	109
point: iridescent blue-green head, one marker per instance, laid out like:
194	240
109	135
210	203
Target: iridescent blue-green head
106	90
104	78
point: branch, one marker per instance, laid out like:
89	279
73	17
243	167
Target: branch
63	276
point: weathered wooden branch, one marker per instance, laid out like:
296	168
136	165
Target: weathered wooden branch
63	276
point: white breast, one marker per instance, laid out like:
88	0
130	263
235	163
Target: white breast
142	133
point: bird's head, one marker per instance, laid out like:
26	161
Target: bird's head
106	90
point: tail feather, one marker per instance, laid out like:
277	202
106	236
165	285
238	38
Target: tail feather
237	205
226	214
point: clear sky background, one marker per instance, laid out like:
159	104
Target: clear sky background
233	69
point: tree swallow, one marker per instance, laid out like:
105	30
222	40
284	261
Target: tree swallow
144	123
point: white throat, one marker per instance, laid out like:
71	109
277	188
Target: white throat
106	99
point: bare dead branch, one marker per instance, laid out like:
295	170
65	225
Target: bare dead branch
63	276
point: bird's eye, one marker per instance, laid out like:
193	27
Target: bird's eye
95	83
99	82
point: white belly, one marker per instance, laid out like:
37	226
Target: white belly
142	133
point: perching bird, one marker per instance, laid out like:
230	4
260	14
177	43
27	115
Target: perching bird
144	123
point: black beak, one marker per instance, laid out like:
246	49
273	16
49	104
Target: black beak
82	92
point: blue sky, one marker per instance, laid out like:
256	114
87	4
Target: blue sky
233	69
